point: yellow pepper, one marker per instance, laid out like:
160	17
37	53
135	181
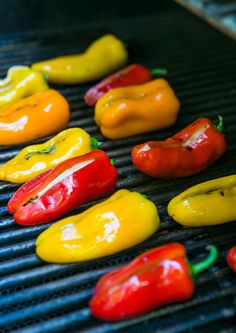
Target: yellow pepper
209	203
128	111
33	160
103	56
21	81
123	220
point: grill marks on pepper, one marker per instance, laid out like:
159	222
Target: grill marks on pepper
49	150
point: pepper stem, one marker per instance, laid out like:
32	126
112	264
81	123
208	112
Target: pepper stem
220	126
158	71
203	265
95	144
112	161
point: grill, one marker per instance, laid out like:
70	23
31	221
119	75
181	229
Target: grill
37	297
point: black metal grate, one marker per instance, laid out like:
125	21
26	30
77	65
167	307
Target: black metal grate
38	297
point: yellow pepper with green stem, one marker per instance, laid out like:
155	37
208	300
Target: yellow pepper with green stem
132	110
123	220
209	203
21	81
33	160
102	57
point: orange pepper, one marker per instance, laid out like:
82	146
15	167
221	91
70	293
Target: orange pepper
128	111
33	117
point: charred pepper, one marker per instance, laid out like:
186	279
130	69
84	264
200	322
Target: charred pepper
123	220
63	188
33	117
231	258
33	160
128	111
21	81
103	56
159	276
198	206
186	153
128	76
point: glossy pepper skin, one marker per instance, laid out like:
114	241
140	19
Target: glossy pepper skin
123	220
127	111
130	75
231	258
209	203
33	160
186	153
33	117
63	188
21	81
159	276
103	56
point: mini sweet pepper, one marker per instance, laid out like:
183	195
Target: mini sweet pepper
209	203
128	76
21	81
128	111
123	220
103	56
186	153
231	258
159	276
33	117
63	188
33	160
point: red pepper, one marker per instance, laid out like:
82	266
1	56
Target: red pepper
159	276
231	258
61	189
186	153
131	75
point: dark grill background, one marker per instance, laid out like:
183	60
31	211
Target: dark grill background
38	297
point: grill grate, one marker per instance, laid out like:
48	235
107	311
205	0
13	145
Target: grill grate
38	297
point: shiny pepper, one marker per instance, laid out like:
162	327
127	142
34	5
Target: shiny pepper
33	117
209	203
123	220
128	76
186	153
231	258
33	160
21	81
128	111
103	56
63	188
157	277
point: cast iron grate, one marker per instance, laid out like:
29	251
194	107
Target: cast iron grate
38	297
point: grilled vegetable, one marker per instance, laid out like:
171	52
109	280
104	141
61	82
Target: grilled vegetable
231	258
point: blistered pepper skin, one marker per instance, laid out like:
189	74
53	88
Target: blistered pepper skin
231	258
63	188
103	56
21	81
123	220
188	152
123	112
209	203
33	160
33	117
128	76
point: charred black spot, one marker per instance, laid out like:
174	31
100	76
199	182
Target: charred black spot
222	193
189	148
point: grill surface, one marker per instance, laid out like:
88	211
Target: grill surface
201	62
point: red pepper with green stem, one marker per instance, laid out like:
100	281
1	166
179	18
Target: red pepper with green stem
231	258
159	276
63	188
130	75
186	153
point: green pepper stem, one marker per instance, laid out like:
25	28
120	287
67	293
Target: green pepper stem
95	144
158	71
203	265
220	126
112	162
